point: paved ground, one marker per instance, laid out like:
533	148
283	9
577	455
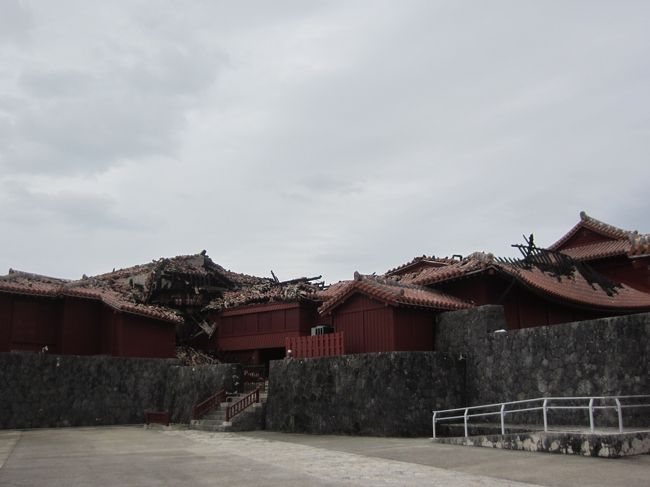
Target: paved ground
135	456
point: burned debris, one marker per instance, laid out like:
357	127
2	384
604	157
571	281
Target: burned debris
197	288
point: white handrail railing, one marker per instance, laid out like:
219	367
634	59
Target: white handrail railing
545	407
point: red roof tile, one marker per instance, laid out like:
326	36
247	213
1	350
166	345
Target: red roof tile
433	275
624	242
598	250
393	293
422	260
332	290
36	289
574	287
117	301
19	282
35	285
596	226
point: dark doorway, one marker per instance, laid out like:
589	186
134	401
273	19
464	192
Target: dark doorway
268	354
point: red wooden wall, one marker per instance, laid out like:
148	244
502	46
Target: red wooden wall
372	326
263	326
367	324
76	326
145	337
6	311
414	329
522	307
81	330
34	323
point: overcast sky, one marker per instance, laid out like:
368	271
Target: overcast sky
315	137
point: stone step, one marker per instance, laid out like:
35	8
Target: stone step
214	421
211	422
222	426
215	416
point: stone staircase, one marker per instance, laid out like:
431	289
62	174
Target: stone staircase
251	418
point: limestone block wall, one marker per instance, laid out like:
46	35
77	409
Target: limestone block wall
51	391
382	394
474	363
608	356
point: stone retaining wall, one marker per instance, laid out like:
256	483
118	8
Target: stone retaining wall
605	445
382	394
476	363
608	356
50	391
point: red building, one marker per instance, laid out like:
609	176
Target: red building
531	293
38	313
256	333
595	270
381	315
621	255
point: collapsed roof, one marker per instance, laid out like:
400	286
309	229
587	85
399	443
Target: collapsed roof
17	282
167	288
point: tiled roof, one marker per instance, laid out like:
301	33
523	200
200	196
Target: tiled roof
433	275
623	242
35	289
424	259
393	293
200	283
35	285
218	287
19	282
573	287
332	290
597	226
599	250
116	301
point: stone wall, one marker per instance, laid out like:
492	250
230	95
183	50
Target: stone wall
608	356
50	391
476	363
382	394
568	443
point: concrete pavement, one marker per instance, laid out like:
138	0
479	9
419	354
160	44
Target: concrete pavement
136	456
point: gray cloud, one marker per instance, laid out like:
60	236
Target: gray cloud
121	97
15	22
321	138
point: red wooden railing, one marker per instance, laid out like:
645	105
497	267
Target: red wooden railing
241	404
212	402
329	345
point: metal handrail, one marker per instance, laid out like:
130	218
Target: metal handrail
545	407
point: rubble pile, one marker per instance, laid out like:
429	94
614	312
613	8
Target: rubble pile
191	356
267	292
